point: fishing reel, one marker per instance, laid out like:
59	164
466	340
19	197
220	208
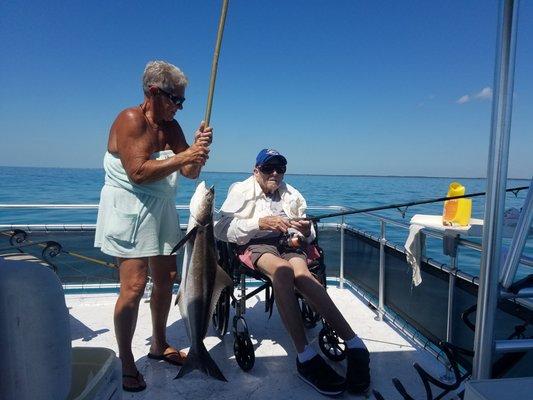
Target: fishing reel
291	241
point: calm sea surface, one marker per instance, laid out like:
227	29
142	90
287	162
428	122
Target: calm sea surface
82	186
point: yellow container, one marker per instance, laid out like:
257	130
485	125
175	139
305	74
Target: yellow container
456	189
464	211
456	211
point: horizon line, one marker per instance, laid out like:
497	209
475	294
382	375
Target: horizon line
289	174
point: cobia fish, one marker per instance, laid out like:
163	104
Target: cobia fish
201	283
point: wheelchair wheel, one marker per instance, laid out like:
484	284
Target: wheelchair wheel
309	316
331	344
244	351
221	313
242	346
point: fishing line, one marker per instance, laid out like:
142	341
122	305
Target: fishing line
402	208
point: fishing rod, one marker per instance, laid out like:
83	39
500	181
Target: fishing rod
20	246
58	249
91	259
214	67
401	205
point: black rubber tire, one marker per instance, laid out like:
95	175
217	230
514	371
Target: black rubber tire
309	316
331	344
221	313
244	352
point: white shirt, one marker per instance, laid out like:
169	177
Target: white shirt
246	203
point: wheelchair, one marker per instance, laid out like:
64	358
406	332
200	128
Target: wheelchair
238	266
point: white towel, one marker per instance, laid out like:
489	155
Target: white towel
137	220
413	251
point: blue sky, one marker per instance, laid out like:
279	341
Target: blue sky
340	87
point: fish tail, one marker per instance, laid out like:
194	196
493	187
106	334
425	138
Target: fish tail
201	360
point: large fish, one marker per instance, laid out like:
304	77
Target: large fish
201	283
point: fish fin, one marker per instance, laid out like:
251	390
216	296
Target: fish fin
189	236
202	361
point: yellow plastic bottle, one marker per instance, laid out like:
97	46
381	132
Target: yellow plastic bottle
456	211
464	211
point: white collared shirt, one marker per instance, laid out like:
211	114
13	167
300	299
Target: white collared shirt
246	203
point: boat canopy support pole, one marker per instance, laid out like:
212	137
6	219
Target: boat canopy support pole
519	240
496	179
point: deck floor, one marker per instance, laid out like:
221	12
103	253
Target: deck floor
274	373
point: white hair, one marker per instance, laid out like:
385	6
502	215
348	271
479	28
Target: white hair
164	76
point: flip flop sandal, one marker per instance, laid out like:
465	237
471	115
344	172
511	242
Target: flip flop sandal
168	359
137	377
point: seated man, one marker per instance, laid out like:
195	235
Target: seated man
255	215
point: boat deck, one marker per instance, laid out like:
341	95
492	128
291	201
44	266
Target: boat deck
274	373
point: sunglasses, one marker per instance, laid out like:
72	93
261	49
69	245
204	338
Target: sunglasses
269	168
178	101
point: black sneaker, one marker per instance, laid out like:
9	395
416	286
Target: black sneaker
321	376
358	373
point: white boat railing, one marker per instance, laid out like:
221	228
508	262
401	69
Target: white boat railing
383	221
452	269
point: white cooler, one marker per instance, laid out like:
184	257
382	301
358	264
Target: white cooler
37	360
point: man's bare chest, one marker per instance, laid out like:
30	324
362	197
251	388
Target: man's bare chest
162	139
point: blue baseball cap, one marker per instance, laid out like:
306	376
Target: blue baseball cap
267	155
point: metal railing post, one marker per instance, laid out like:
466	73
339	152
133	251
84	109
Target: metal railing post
497	166
451	295
341	272
382	243
450	242
448	376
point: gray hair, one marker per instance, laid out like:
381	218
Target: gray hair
163	75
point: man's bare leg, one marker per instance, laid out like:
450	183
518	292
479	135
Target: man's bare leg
317	296
281	274
358	371
133	275
163	272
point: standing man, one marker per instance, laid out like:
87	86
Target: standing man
137	220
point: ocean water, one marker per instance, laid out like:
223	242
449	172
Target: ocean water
82	186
